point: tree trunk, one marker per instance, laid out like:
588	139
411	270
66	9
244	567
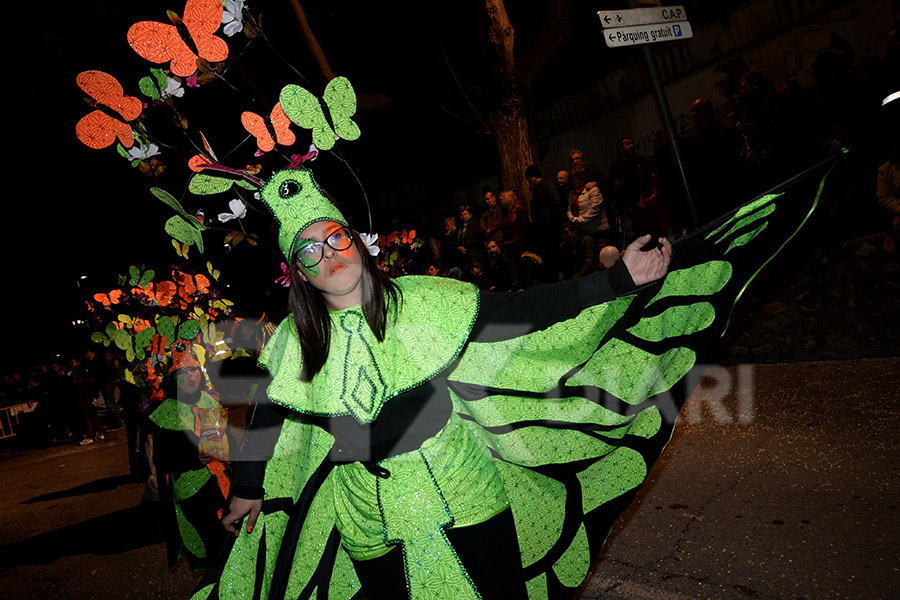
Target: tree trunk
510	125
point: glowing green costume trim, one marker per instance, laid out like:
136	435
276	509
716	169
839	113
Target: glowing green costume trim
361	374
297	202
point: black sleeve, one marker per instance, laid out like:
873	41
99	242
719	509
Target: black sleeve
503	316
176	452
264	423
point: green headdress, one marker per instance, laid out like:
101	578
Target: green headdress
297	202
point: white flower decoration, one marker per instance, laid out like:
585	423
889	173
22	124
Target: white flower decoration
173	89
232	17
371	241
238	211
141	152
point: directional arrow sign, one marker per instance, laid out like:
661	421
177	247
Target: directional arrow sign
641	16
647	34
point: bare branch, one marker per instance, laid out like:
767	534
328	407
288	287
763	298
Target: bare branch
371	101
311	42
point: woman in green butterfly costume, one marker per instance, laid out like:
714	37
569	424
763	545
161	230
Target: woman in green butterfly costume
422	439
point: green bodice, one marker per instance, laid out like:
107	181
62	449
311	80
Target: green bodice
426	334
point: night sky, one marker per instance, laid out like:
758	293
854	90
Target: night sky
78	212
83	212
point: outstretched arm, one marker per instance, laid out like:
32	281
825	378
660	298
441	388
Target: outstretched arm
504	316
257	445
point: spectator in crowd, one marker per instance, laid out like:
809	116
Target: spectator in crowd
106	377
87	391
586	210
655	208
491	218
582	174
450	254
755	119
467	233
546	206
529	271
547	212
515	218
476	273
62	393
131	397
498	272
714	162
578	253
563	189
626	176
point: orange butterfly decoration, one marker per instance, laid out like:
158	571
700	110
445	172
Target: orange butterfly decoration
112	298
99	129
165	292
195	163
190	38
189	284
258	126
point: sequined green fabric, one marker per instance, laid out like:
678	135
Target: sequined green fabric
361	374
296	200
178	416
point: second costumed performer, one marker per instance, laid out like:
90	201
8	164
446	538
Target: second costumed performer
422	439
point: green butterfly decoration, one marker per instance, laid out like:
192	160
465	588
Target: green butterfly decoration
183	227
138	278
152	85
304	109
204	184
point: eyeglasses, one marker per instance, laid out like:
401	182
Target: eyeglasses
312	254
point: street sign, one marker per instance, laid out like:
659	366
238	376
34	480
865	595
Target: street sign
641	16
647	34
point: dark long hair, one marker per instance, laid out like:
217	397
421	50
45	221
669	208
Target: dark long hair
380	298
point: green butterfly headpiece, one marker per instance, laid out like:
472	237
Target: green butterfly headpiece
297	202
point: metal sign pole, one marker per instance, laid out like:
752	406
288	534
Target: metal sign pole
665	112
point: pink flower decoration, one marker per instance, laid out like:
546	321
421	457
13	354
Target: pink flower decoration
285	279
297	160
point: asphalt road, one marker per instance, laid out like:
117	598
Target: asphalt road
784	488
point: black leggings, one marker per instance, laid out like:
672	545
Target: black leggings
489	552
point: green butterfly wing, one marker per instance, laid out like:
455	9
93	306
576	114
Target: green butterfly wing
170	200
574	415
303	109
166	328
134	273
204	184
188	329
150	86
341	101
186	231
183	227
